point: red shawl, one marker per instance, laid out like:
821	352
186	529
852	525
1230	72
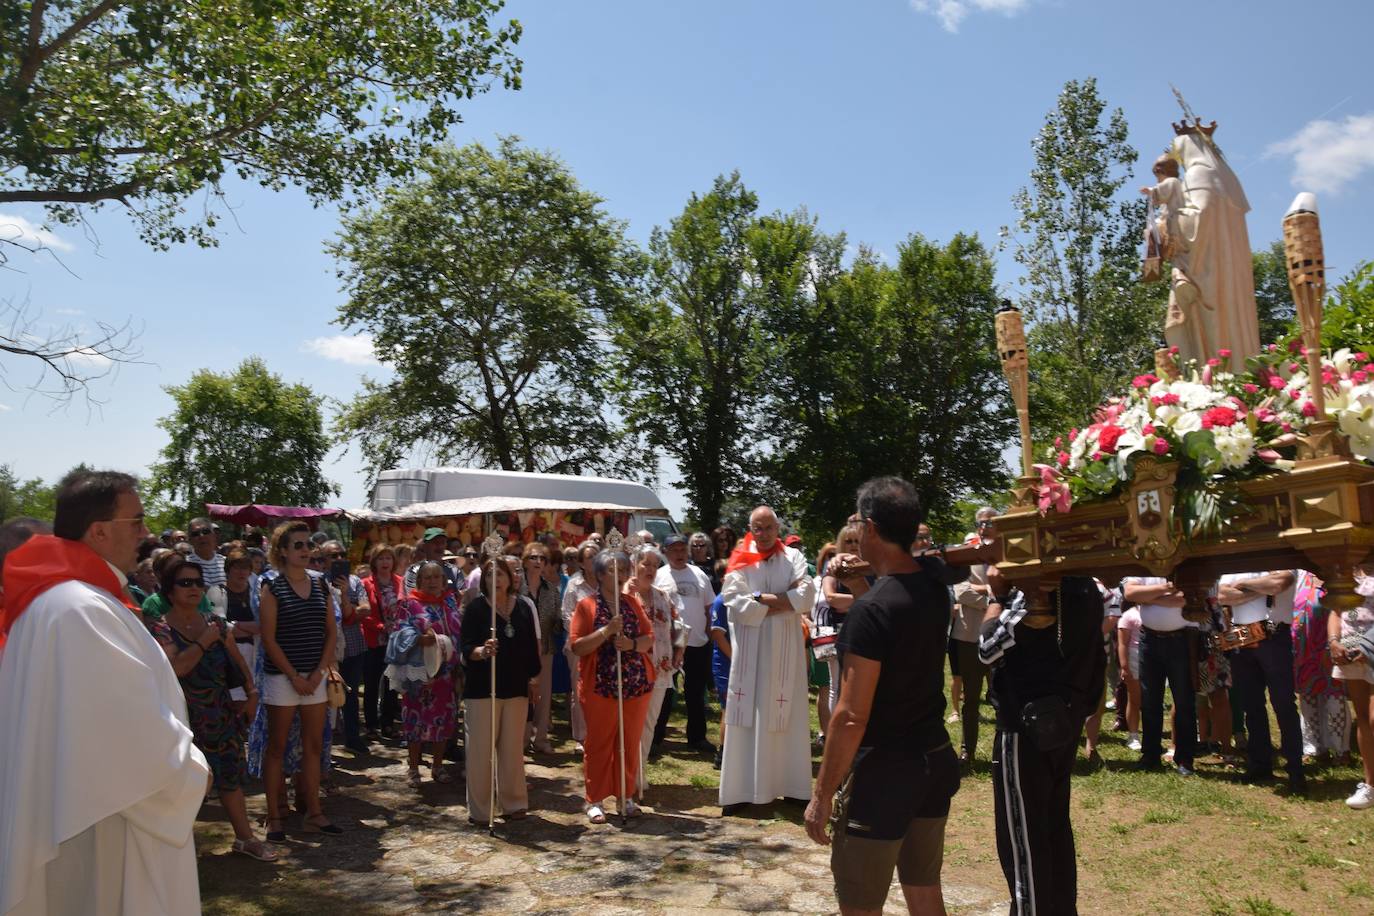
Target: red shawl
746	555
44	561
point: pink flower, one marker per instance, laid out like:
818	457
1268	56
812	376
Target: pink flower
1149	429
1173	351
1286	426
1107	436
1161	446
1293	367
1295	393
1265	415
1207	374
1169	399
1097	456
1058	441
1224	353
1214	362
1309	409
1218	416
1063	459
1359	376
1073	433
1272	348
1250	388
1267	455
1054	493
1362	357
1276	381
1294	346
1329	377
1144	381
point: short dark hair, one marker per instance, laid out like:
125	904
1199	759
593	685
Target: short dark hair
85	496
167	578
235	558
894	507
18	530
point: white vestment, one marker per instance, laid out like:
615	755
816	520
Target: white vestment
767	720
99	780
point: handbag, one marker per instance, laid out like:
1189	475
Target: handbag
334	688
823	643
1048	723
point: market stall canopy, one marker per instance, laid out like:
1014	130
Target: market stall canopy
480	505
267	515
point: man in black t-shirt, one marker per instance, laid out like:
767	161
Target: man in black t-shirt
886	740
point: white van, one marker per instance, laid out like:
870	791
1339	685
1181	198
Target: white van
517	504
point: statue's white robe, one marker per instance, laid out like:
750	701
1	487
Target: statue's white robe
99	779
767	720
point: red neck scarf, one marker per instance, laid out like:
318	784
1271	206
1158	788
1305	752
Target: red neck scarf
44	561
745	553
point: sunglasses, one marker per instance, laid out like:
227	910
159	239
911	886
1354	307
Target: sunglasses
189	583
198	532
536	559
298	545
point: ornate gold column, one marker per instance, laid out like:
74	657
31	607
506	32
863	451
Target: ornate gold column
1011	347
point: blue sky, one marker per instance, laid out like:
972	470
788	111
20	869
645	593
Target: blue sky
882	117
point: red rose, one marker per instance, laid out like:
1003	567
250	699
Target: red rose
1218	416
1224	353
1107	436
1144	381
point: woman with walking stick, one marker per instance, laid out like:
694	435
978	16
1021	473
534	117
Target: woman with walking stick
494	714
612	638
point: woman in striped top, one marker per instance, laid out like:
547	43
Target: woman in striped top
298	641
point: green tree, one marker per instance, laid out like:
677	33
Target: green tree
146	102
18	497
1092	326
1348	318
483	284
690	359
241	437
1273	299
889	370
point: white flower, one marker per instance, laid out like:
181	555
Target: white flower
1235	444
1187	422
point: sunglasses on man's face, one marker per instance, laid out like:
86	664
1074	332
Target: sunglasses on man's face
189	583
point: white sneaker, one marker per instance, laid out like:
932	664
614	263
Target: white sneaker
1111	704
1134	743
1363	797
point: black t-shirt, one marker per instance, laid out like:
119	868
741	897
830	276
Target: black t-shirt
240	608
900	622
517	656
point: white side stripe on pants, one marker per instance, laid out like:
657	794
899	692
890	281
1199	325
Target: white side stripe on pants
1024	898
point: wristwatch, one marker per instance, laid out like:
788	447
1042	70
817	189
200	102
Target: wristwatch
757	596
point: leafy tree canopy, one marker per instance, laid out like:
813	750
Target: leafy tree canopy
146	102
241	437
483	284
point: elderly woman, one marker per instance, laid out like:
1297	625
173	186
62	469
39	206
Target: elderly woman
580	585
543	594
1351	666
604	625
670	642
499	708
384	597
297	632
699	552
429	710
204	657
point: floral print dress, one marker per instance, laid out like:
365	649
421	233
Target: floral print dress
429	712
216	728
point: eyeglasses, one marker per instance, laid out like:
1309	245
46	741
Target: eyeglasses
189	583
198	532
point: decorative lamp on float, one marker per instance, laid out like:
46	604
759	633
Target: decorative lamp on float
1302	246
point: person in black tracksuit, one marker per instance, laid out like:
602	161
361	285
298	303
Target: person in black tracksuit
1045	683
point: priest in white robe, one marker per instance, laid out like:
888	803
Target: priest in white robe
767	723
100	782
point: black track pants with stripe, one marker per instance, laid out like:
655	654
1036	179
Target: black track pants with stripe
1034	835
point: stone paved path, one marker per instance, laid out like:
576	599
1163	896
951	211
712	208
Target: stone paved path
411	850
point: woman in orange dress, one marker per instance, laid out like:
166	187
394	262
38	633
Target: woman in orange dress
596	632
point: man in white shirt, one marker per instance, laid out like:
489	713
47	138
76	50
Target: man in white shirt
694	589
99	779
1165	655
1266	598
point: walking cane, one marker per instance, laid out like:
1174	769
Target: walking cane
492	548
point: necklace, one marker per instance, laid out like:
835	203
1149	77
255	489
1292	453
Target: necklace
509	630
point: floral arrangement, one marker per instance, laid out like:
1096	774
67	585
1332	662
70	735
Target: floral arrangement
1220	426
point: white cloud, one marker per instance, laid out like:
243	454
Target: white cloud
1327	155
952	13
92	358
20	231
5	407
354	349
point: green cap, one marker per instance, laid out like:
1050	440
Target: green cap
432	533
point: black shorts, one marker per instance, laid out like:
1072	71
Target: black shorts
891	814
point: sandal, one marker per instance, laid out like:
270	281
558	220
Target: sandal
275	836
313	825
596	814
256	849
632	809
415	779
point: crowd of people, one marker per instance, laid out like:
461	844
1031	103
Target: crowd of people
256	657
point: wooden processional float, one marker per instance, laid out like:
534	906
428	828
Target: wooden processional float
1319	516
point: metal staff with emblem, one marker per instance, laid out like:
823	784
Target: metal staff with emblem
616	543
491	549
